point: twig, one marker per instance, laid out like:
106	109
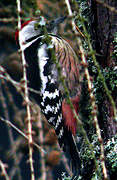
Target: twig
30	140
3	168
66	91
23	134
80	31
41	136
90	86
10	133
7	20
94	113
18	85
12	19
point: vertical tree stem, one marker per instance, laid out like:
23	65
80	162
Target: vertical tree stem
90	86
30	140
41	136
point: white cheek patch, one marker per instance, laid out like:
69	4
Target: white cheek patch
26	45
27	32
42	55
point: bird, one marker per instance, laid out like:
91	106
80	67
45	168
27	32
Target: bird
43	77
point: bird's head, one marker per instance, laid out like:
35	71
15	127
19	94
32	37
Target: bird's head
32	29
28	32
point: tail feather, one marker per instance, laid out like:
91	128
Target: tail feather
68	144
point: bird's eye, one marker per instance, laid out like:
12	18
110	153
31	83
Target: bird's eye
39	27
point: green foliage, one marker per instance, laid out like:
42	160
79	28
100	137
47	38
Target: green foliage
64	177
110	76
85	109
115	45
95	174
110	157
111	154
84	8
85	12
86	154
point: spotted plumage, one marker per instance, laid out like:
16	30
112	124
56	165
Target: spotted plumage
43	77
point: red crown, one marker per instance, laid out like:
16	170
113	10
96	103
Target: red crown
17	31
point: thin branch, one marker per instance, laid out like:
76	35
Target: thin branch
90	87
41	136
10	133
22	133
18	85
12	19
66	91
7	20
79	122
3	168
30	140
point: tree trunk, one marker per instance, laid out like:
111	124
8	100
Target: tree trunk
103	29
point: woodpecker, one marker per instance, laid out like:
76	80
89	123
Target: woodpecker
42	76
